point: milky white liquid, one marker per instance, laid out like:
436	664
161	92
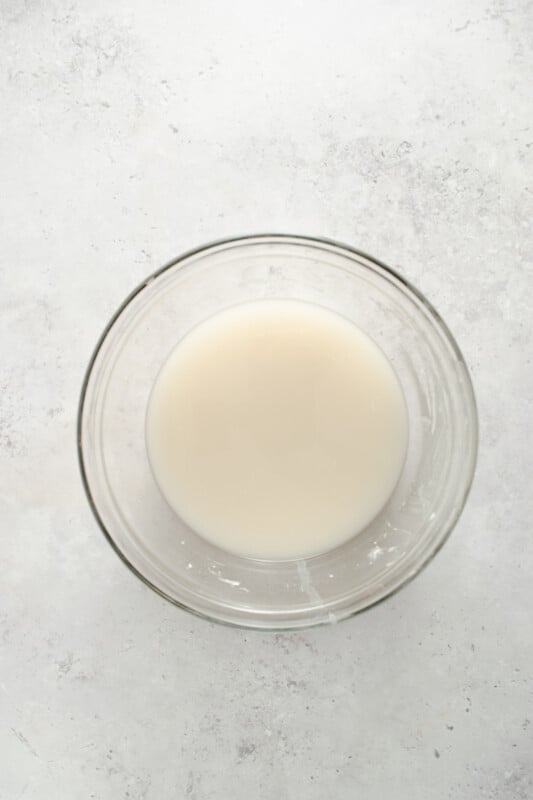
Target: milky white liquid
277	429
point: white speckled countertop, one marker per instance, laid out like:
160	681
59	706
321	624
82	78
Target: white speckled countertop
131	131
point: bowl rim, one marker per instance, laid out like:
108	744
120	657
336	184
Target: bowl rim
311	241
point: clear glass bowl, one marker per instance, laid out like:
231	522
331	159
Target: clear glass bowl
185	568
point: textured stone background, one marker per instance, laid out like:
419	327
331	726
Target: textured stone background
131	131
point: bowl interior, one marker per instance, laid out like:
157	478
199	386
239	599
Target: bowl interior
179	563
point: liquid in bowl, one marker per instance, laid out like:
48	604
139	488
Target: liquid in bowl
277	429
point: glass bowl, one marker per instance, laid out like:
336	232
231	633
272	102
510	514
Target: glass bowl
177	562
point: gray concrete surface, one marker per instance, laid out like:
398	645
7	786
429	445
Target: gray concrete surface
131	131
